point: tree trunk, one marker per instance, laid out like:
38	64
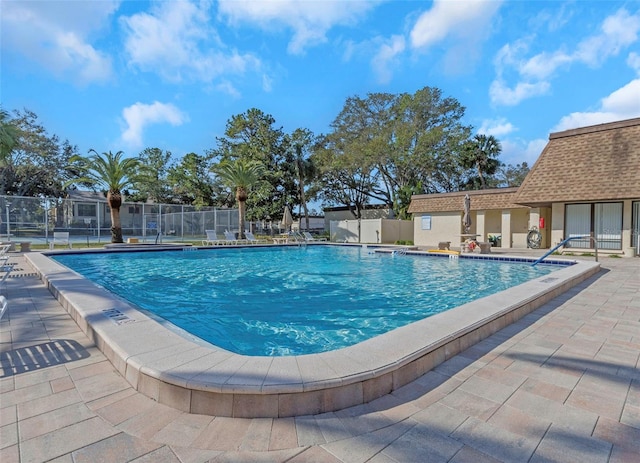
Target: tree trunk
241	197
114	198
482	182
302	196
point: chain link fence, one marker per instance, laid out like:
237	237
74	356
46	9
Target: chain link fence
89	221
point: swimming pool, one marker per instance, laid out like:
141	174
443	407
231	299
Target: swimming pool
202	378
295	300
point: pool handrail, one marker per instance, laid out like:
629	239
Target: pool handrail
564	241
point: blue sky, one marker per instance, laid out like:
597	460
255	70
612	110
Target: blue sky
127	75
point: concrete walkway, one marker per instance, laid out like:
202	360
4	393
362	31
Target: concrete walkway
562	384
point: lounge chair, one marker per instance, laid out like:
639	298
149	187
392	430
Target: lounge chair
4	305
309	237
4	254
251	239
232	238
212	239
7	268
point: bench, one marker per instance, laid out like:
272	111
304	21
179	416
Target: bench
60	238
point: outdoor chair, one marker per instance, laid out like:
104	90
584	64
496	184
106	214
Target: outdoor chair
4	305
252	239
4	254
231	237
309	237
7	268
212	239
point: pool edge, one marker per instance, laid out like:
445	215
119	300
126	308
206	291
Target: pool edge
208	380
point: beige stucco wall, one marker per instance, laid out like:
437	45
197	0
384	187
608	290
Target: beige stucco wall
557	223
511	224
536	214
445	226
492	224
519	228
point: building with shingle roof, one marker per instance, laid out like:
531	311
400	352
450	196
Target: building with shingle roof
586	182
597	163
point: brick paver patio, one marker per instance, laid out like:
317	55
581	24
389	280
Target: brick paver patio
562	384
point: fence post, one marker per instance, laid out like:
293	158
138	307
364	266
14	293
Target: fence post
98	218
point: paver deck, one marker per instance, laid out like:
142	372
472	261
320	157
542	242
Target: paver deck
561	384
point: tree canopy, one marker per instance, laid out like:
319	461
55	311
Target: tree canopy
382	148
252	136
33	163
385	147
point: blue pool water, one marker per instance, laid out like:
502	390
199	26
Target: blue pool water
294	300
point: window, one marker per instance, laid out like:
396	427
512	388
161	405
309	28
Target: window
608	225
426	222
86	210
604	220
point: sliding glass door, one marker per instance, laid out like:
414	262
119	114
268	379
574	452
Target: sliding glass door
577	223
604	220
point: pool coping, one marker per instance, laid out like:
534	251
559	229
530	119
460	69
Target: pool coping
201	378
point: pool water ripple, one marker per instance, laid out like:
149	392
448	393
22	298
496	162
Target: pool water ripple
290	300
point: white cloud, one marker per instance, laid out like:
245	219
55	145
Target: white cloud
309	20
500	93
386	57
496	127
55	35
447	18
617	32
544	65
624	103
140	115
464	25
633	61
176	40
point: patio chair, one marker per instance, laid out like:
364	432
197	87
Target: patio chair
7	268
4	305
309	237
231	237
252	239
4	249
212	239
4	254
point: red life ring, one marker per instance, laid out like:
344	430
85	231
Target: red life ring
472	245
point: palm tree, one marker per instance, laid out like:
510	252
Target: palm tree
481	153
301	143
240	175
111	172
